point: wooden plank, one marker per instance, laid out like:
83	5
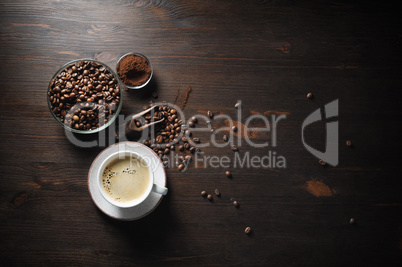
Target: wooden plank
269	55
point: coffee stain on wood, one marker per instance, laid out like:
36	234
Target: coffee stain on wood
319	189
275	112
254	112
285	48
269	112
20	199
181	99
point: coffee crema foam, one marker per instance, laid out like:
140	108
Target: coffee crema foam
125	179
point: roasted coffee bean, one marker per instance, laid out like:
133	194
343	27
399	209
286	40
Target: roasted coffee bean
234	129
209	197
173	111
192	149
188	158
159	139
188	133
181	147
184	139
352	220
203	193
167	151
310	96
196	140
191	124
237	105
247	230
165	163
217	193
225	138
348	143
228	174
210	114
172	148
235	148
322	163
194	119
236	204
180	167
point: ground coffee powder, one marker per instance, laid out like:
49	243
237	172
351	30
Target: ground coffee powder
133	70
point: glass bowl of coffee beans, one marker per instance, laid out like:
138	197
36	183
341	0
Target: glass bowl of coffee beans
85	96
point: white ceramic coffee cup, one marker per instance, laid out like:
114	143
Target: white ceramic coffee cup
150	188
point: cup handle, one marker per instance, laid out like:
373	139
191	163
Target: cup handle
159	189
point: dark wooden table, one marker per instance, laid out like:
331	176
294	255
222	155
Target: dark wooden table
269	55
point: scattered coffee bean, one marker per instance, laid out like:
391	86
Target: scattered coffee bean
188	133
209	197
310	96
234	129
237	105
228	174
322	163
180	167
352	220
236	204
235	148
181	147
188	158
247	230
154	94
217	193
191	124
210	114
196	140
167	151
203	193
225	138
194	119
348	143
192	149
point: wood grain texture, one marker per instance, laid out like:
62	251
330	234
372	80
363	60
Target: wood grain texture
268	54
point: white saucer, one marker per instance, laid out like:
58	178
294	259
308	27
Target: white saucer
141	210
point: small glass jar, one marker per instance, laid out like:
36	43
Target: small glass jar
149	64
